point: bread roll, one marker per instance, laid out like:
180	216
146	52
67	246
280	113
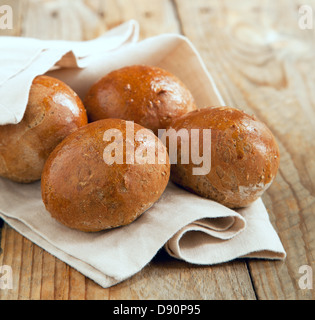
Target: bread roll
53	111
244	156
149	96
83	191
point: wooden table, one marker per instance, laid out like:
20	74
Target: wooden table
263	62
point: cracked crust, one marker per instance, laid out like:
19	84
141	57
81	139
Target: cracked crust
149	96
84	192
244	157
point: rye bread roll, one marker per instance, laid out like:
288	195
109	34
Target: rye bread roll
244	156
91	183
53	111
149	96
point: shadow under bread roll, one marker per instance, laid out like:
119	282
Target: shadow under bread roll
104	175
244	155
147	95
53	111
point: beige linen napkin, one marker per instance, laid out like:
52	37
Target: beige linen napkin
22	59
191	228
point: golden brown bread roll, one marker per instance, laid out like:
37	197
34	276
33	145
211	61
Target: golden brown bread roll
244	156
53	111
84	192
149	96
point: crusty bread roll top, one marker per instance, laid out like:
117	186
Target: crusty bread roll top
53	111
84	190
150	96
244	156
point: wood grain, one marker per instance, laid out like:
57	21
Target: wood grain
262	63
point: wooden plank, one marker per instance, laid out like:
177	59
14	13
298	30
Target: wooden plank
261	62
169	279
37	274
154	16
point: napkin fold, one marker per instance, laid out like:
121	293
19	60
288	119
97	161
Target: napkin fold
22	59
191	228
